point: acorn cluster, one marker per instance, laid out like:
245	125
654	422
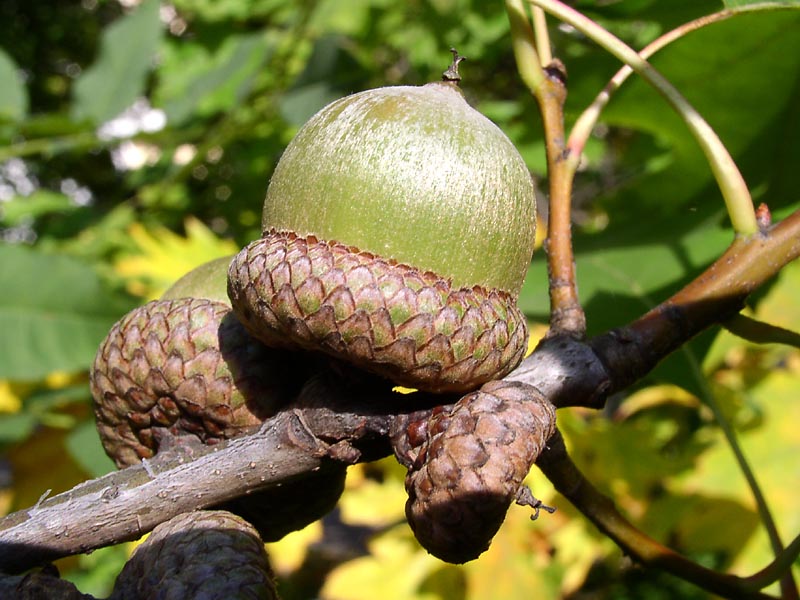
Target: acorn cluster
397	231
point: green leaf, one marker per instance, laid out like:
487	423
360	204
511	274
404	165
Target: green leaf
748	93
85	448
54	312
330	73
196	83
17	427
41	202
13	94
119	74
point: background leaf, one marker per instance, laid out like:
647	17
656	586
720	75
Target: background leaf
13	94
118	75
54	311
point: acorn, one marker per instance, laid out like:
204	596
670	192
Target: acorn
202	554
183	369
184	365
397	230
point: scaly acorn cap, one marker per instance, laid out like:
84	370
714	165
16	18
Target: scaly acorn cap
186	366
394	320
202	554
471	465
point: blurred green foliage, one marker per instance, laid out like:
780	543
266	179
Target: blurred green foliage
137	140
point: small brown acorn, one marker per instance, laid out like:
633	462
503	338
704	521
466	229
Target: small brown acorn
183	369
398	227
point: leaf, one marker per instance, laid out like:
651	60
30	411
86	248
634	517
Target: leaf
195	83
15	428
83	445
754	79
13	94
394	570
331	73
772	449
629	268
10	398
54	312
166	256
21	208
118	76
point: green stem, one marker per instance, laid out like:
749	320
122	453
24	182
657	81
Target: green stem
50	145
587	120
777	568
731	183
523	42
788	586
758	332
542	36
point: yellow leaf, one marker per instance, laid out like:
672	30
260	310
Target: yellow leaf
164	256
773	450
10	401
288	554
369	502
394	570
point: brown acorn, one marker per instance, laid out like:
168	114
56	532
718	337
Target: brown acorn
184	368
398	227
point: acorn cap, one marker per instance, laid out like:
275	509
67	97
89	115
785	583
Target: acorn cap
414	175
392	319
202	554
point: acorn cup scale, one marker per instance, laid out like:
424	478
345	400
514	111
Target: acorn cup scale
398	228
182	370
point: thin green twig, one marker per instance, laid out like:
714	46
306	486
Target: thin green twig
542	36
523	42
788	585
759	332
730	181
777	568
588	119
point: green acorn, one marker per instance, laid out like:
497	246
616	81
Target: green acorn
398	228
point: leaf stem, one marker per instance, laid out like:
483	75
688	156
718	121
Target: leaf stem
542	36
582	128
788	586
781	565
729	179
523	41
558	467
759	332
